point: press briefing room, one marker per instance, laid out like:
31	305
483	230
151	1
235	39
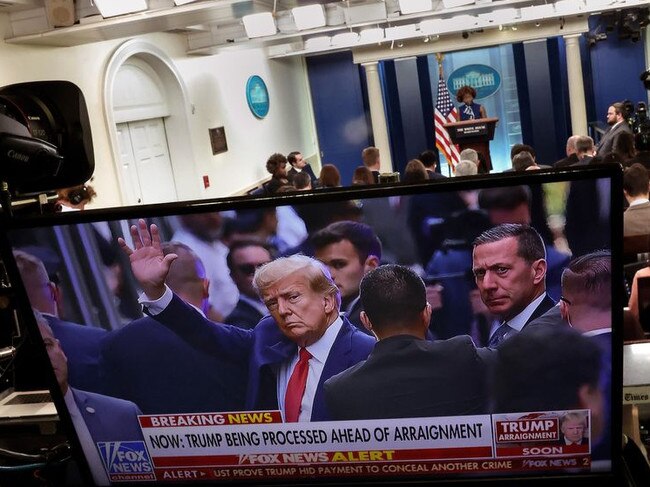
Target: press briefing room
324	242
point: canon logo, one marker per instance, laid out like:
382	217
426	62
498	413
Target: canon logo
17	155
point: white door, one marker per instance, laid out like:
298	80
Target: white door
145	161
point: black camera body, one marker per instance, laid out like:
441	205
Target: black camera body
45	139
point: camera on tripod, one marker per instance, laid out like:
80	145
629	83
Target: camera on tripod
45	140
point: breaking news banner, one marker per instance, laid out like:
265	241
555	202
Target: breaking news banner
243	445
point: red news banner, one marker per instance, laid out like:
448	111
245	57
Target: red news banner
258	445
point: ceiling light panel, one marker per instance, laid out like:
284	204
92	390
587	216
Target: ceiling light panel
414	6
359	14
111	8
309	16
259	25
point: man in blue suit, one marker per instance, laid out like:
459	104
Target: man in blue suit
81	343
285	359
96	418
150	365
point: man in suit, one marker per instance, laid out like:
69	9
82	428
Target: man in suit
406	376
244	258
96	418
616	120
573	427
350	250
636	188
509	265
512	204
586	304
286	358
150	365
203	234
583	152
81	343
571	157
370	158
430	160
549	369
298	165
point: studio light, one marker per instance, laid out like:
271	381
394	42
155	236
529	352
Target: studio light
259	25
309	16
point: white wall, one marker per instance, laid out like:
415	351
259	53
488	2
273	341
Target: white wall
216	89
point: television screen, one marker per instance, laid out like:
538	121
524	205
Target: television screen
458	330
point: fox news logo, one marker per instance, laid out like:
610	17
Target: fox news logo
126	461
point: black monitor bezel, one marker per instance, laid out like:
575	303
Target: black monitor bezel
612	171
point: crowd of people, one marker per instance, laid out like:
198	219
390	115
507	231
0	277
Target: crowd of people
433	304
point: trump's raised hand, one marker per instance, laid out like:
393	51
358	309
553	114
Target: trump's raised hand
148	263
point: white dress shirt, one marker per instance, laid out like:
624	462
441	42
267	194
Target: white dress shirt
223	291
319	351
517	322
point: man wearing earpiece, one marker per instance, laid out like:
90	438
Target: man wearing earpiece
287	357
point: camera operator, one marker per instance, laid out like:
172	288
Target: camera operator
76	198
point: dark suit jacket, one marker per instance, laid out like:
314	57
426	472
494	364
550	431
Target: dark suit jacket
407	377
292	172
567	161
636	220
601	449
435	175
608	143
546	305
108	418
260	350
585	229
244	315
82	346
150	365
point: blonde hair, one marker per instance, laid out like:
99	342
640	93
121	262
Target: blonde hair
316	273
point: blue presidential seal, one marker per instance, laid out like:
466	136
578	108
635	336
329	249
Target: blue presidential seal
484	79
257	96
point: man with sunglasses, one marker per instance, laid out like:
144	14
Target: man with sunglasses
244	258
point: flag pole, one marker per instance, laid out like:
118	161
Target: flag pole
441	74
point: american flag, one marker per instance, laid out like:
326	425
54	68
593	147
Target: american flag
445	112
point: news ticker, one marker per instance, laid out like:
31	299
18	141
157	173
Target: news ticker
257	444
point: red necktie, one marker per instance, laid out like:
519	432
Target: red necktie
296	387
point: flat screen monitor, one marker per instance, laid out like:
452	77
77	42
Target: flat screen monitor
455	331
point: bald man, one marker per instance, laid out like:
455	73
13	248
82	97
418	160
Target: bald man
81	343
148	364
